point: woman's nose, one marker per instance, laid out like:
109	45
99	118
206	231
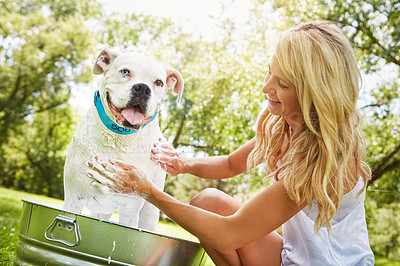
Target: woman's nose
267	88
264	89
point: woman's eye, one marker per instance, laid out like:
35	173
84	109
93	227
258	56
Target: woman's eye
159	83
282	86
125	72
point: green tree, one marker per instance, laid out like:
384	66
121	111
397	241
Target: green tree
36	153
384	229
43	48
44	45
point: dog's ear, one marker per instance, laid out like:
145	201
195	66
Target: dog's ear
104	61
175	81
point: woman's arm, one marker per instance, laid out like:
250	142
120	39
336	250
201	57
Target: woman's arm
216	167
258	217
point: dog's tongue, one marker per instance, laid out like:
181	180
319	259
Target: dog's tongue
133	116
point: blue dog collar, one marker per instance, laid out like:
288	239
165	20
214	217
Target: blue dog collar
111	125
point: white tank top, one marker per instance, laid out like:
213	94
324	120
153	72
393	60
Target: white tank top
347	244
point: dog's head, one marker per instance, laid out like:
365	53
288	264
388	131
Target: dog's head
134	86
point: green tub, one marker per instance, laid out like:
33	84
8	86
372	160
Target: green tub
51	236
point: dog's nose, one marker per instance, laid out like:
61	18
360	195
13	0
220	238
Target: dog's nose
141	89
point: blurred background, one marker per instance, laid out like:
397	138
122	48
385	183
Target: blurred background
222	49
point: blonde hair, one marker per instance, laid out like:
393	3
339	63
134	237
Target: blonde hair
318	60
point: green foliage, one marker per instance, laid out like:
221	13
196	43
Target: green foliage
43	57
383	225
43	46
383	140
38	167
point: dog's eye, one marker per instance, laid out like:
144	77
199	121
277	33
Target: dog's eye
125	72
159	83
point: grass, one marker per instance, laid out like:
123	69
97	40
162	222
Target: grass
10	212
385	261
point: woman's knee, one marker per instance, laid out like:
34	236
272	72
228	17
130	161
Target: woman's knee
205	198
216	201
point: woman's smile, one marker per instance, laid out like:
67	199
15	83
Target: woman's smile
270	101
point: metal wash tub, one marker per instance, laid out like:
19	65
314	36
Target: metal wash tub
50	236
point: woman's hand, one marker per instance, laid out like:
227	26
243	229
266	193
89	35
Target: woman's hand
169	159
116	176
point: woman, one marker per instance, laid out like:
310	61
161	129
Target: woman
310	139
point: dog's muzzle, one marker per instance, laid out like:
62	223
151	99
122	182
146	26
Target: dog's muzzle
133	114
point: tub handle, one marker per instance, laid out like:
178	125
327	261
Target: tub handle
67	224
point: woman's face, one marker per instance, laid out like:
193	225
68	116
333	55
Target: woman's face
282	97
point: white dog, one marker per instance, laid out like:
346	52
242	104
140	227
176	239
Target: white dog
122	124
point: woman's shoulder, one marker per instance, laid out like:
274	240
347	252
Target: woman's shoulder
351	178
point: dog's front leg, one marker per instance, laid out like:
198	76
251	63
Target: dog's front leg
129	212
74	204
149	215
